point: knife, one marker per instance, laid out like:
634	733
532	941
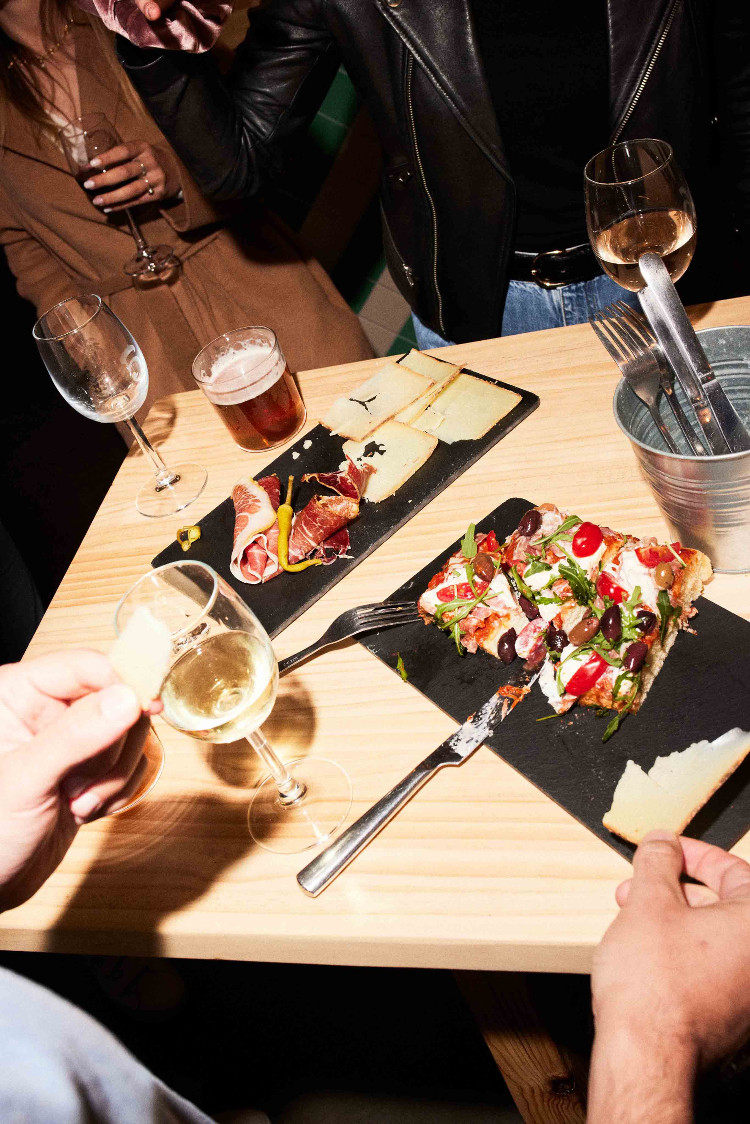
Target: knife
454	751
716	415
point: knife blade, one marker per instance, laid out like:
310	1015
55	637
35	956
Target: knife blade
454	751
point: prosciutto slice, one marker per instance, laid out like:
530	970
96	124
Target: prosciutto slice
255	556
318	521
349	480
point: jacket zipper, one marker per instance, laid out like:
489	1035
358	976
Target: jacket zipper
646	75
406	269
409	68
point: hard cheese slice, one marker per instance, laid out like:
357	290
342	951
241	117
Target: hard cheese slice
141	655
466	409
396	451
442	373
375	401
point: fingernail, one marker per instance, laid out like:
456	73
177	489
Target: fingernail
97	200
95	163
660	834
153	12
86	805
119	703
88	184
106	210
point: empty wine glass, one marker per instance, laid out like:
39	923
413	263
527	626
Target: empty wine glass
637	202
86	137
100	371
222	686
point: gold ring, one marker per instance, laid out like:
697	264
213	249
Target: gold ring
149	188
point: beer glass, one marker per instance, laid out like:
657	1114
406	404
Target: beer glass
246	379
221	687
100	371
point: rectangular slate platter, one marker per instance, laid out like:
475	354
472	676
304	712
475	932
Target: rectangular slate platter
702	690
280	601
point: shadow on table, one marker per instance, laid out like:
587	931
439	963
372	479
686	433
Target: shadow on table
154	861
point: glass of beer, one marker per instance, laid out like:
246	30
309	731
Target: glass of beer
245	377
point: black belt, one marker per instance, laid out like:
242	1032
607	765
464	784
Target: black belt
553	268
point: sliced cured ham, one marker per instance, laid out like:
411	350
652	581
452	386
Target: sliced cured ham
255	557
318	521
348	481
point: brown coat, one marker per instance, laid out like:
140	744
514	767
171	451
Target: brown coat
59	245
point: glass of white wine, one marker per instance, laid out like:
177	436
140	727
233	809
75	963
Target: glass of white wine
221	687
638	202
99	369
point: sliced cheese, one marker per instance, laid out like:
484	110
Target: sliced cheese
675	787
419	405
141	654
375	401
396	451
436	369
466	409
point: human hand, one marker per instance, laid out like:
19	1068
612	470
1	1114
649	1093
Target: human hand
675	963
131	169
65	759
173	25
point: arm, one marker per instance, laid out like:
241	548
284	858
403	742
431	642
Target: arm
230	131
671	981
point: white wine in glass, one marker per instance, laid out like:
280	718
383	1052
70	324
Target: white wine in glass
100	371
221	686
637	202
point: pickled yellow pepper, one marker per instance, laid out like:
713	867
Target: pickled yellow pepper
285	516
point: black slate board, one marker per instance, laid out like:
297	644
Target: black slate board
702	691
277	603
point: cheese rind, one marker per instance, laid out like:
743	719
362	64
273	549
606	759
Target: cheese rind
436	369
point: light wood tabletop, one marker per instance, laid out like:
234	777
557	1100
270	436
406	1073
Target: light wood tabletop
480	871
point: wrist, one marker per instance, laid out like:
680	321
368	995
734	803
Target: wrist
645	1065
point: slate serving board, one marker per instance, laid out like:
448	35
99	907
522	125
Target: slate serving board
702	690
278	602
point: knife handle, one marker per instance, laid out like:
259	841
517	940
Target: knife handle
323	869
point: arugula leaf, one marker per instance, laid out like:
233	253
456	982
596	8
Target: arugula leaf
400	668
521	584
584	590
571	521
613	661
537	566
614	725
469	543
633	600
667	613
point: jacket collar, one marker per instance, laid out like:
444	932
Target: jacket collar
440	35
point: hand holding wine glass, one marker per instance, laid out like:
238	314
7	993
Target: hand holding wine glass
100	371
136	174
93	137
638	202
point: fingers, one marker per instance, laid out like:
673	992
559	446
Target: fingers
60	675
728	875
127	184
657	866
122	779
86	730
694	895
152	9
116	155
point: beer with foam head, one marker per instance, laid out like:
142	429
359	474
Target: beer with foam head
245	377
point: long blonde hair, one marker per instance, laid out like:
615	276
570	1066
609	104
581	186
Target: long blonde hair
20	80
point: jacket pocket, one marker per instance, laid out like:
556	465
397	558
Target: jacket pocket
401	271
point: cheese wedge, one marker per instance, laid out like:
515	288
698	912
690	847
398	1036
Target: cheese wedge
466	409
396	451
141	655
675	787
375	401
435	369
446	375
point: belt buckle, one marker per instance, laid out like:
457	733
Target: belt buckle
535	275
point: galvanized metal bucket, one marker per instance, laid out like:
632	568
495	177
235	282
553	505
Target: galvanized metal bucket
705	500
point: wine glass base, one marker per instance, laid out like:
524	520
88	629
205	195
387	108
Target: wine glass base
155	262
155	499
290	829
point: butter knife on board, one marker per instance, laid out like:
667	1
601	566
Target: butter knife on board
454	751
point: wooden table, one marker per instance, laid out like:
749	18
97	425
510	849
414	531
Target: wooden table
481	871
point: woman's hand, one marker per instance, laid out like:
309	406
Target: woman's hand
132	169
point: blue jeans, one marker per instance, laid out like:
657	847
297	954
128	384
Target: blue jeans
530	308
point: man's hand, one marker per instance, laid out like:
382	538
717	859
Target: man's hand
172	25
131	169
64	759
671	979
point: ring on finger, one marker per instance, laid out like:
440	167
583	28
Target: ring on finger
142	166
149	188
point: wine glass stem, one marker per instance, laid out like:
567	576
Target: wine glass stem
164	475
135	230
290	790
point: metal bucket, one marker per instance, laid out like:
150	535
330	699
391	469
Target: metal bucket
705	500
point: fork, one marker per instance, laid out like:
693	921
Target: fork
640	324
365	618
636	361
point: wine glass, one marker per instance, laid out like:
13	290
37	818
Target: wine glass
637	202
86	137
222	686
100	371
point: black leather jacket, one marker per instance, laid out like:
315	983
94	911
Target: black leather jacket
447	194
